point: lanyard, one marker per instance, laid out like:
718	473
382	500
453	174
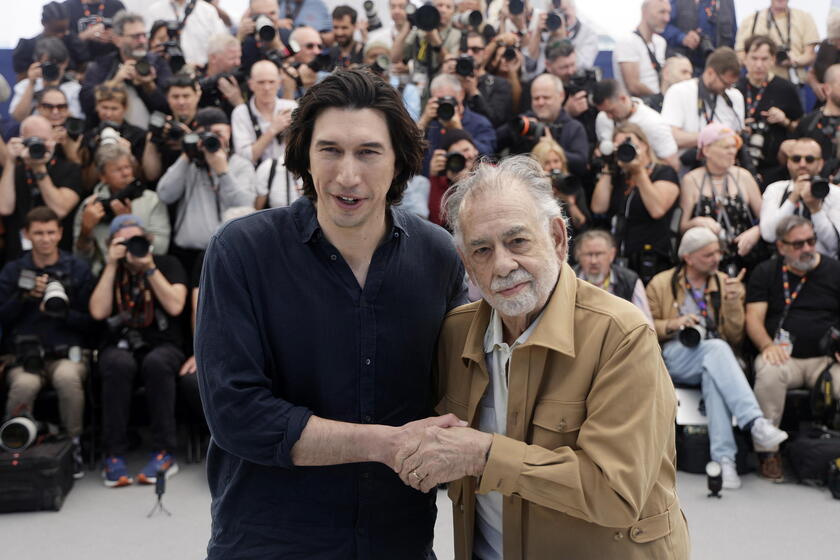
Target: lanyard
711	11
99	11
651	55
699	299
771	19
753	105
790	298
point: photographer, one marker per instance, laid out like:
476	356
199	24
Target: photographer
35	175
222	80
547	95
638	58
429	42
786	319
445	111
141	295
797	196
197	20
260	31
484	93
347	50
567	188
111	107
258	125
698	314
118	192
698	27
504	61
822	124
583	37
617	107
561	61
53	329
205	181
52	58
54	18
639	195
772	108
92	22
52	105
455	158
163	141
144	74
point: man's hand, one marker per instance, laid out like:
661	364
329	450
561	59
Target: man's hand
813	203
247	26
691	40
286	23
429	113
774	115
92	215
410	435
632	168
281	121
437	163
125	71
308	76
93	32
34	72
145	81
217	161
775	355
674	325
119	207
144	263
188	367
434	38
443	455
747	240
577	104
116	250
40	287
732	286
229	88
470	85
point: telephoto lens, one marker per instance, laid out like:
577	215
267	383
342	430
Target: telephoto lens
528	127
509	54
516	7
374	22
138	245
211	142
427	17
56	302
820	187
37	147
626	151
553	21
465	65
265	28
691	336
446	108
17	434
714	479
563	182
109	136
469	19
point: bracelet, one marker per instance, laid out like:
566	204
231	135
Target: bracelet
149	272
40	176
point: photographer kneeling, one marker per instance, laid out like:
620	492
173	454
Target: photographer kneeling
698	314
44	314
118	192
456	157
638	193
141	296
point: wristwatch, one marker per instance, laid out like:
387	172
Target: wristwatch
39	176
149	272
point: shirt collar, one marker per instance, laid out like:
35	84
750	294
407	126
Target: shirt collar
494	337
306	219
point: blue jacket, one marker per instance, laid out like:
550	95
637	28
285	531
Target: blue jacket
479	127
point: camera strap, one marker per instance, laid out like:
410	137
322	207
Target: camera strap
789	297
700	301
651	54
292	13
189	9
752	105
771	19
706	101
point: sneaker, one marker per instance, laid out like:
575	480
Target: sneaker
162	461
729	474
770	466
78	462
765	435
115	472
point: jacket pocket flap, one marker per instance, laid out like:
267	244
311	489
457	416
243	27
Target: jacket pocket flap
559	416
651	528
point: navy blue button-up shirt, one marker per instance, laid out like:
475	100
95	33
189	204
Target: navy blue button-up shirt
283	332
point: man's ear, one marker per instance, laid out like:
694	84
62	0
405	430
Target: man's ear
561	238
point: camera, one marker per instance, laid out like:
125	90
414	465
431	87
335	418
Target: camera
164	129
381	64
554	20
143	66
488	32
74	127
56	302
820	187
210	93
706	46
138	245
830	342
18	433
564	182
528	127
754	138
27	280
210	142
132	191
37	147
691	336
425	18
374	22
626	151
194	142
172	48
324	63
105	130
465	65
516	7
109	136
50	71
582	80
264	27
509	53
29	353
782	56
455	163
468	19
446	108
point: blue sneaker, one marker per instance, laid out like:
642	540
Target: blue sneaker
161	461
115	472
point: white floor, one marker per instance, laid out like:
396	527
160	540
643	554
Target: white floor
762	520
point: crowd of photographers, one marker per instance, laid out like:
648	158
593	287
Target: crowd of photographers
699	181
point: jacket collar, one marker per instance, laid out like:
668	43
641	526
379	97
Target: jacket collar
555	330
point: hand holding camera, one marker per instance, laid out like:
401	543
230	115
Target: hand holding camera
125	71
34	72
37	292
774	115
229	88
682	322
281	121
93	213
691	40
732	287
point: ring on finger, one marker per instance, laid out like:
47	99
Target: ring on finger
417	476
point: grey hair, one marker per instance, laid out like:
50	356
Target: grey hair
446	80
53	47
109	153
125	17
220	42
790	222
522	169
555	81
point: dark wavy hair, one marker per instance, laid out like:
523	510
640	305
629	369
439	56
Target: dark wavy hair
355	89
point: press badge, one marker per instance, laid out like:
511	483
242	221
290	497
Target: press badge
785	340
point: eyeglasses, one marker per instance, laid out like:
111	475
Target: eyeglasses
310	46
49	107
728	84
808	159
475	49
797	245
136	36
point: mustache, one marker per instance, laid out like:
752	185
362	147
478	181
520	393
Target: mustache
516	277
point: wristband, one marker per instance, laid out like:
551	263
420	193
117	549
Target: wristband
149	272
40	176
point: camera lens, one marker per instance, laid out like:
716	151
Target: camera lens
49	71
455	162
445	110
265	28
138	246
465	66
17	434
516	7
427	17
690	337
553	21
819	187
626	152
56	302
143	67
37	147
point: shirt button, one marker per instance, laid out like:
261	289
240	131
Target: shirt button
368	419
637	532
396	234
367	361
365	474
333	257
618	536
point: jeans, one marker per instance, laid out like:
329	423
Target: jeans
713	366
159	369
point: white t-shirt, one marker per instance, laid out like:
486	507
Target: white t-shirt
203	23
652	124
631	48
71	89
284	188
680	108
825	221
244	134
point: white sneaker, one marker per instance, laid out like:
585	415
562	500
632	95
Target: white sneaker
765	435
729	474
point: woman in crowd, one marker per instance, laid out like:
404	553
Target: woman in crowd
725	198
639	196
52	104
567	188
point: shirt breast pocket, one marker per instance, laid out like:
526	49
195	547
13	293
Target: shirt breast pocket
557	424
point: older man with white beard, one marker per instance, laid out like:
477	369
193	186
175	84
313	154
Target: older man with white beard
570	444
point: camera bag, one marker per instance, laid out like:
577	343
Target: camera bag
37	478
811	454
693	450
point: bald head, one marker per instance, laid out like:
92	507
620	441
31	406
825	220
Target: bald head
548	80
264	81
36	125
832	75
656	14
308	41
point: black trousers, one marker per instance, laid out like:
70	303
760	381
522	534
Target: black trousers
159	370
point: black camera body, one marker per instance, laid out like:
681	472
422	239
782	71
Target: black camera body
139	245
705	47
582	80
37	147
75	127
132	191
210	84
533	129
143	66
446	108
465	65
373	20
820	187
626	151
516	7
425	18
195	142
564	183
455	163
782	56
29	353
50	71
163	129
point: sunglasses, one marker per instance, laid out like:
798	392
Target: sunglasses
797	245
475	49
50	107
808	159
318	46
